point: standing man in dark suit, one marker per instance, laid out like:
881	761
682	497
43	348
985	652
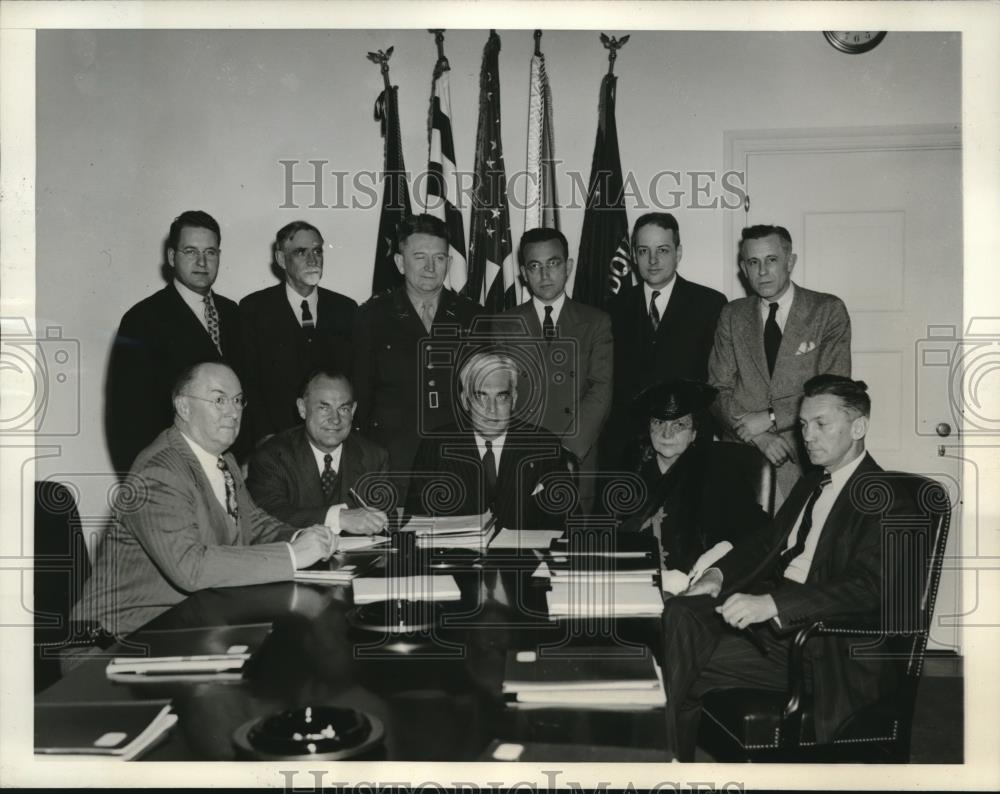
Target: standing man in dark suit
399	395
768	345
292	329
309	474
820	557
183	324
576	389
484	461
185	521
663	328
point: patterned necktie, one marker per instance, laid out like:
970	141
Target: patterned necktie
490	468
212	321
772	337
308	324
654	313
329	477
231	505
807	520
548	328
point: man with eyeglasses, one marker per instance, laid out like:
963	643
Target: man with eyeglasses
663	326
184	520
182	324
576	388
290	330
320	472
486	461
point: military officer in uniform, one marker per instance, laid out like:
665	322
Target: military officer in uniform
403	387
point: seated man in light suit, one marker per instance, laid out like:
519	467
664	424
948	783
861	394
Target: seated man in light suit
485	461
820	557
184	520
308	474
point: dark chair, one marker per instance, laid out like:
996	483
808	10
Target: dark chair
757	725
748	463
61	566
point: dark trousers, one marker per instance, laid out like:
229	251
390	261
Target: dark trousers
703	653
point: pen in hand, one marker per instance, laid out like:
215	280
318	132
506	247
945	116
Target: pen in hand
362	503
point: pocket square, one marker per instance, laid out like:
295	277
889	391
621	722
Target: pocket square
805	347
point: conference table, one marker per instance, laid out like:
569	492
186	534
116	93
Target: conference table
437	692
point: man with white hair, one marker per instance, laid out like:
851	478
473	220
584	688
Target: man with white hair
486	459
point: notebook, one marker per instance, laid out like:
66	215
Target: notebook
406	588
101	730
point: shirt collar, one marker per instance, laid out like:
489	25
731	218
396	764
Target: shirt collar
191	298
784	302
665	292
839	477
556	305
319	454
295	301
208	461
496	444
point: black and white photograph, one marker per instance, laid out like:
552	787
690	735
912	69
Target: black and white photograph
576	394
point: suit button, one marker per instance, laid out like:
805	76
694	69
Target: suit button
568	410
388	347
430	383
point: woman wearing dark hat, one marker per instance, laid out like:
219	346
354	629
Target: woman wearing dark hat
693	502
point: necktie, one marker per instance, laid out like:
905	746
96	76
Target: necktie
212	321
308	324
329	477
231	506
654	313
427	315
490	468
807	519
772	337
548	327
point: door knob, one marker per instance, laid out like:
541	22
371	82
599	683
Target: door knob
943	429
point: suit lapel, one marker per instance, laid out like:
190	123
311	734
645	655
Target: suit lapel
305	465
842	513
671	319
752	340
188	324
568	319
796	328
350	466
221	517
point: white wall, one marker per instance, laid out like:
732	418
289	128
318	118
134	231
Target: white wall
135	126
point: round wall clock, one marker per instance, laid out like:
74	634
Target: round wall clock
854	41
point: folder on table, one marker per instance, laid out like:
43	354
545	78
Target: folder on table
406	588
101	730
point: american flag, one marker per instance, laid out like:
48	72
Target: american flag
442	188
492	276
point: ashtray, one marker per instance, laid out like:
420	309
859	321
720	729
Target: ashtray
309	733
395	616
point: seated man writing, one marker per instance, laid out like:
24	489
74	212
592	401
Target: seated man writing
308	474
185	521
821	556
486	461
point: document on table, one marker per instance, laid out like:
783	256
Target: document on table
406	588
525	538
360	542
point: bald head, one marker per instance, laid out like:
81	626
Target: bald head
204	408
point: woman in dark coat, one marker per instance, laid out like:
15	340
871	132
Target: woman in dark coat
695	499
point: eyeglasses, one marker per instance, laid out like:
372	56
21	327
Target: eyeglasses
194	254
239	402
548	267
669	428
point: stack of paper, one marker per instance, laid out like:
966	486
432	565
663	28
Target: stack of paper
452	532
597	597
121	731
524	539
219	653
342	568
591	678
406	588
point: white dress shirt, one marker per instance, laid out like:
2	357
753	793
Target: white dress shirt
663	298
497	443
295	301
556	305
798	568
195	302
210	465
333	514
784	304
